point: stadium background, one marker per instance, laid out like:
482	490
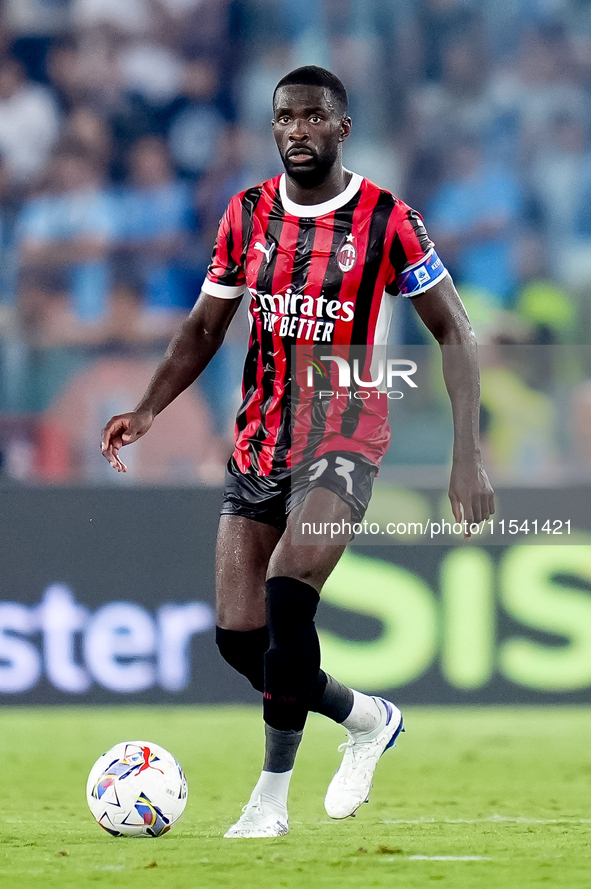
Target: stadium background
124	129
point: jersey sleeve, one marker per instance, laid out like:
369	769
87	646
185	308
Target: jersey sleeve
225	275
415	265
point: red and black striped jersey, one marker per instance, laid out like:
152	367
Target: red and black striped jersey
319	277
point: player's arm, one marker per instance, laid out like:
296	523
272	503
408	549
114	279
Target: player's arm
192	347
441	310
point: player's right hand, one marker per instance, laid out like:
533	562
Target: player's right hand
122	430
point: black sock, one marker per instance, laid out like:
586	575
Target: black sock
244	650
292	661
331	698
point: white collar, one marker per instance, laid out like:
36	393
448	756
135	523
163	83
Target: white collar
311	210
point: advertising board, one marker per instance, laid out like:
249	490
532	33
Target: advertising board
108	596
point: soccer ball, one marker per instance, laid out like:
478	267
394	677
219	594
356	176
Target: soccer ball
137	789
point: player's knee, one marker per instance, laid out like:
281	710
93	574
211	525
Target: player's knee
287	564
312	568
244	651
239	612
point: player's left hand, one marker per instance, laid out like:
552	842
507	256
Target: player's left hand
470	492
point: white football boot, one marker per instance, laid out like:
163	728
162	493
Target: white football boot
260	819
352	783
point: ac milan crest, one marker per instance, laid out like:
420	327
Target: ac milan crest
347	255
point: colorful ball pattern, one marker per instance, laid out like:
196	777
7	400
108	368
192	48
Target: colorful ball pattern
137	789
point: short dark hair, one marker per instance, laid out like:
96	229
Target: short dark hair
312	75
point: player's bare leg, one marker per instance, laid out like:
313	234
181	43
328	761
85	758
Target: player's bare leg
243	550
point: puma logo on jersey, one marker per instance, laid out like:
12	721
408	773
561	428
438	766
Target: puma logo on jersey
266	250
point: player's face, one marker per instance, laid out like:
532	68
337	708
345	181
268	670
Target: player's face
308	131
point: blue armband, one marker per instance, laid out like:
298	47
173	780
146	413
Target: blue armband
421	276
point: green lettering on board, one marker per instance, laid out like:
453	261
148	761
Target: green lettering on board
405	606
468	619
532	594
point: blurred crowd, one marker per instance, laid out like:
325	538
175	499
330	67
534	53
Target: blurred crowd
126	125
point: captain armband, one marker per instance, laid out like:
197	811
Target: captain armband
421	276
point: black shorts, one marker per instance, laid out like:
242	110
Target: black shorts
270	499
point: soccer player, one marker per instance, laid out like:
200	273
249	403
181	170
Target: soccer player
322	253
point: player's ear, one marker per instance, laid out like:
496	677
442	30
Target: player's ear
346	125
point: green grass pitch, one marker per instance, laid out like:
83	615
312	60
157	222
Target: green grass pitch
491	797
